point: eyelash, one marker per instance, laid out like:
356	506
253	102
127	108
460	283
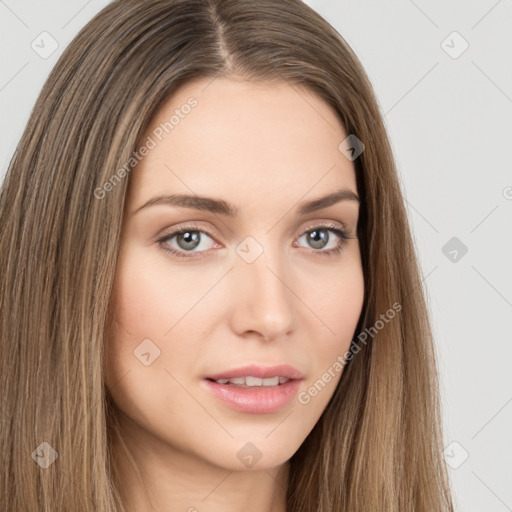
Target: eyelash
341	233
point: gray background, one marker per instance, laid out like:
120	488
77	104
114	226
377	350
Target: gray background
448	113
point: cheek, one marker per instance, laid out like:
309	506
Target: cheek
162	302
142	311
337	306
337	302
151	295
154	323
142	295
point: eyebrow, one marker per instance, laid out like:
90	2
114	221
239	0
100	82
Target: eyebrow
222	207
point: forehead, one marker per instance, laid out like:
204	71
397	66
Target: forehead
234	139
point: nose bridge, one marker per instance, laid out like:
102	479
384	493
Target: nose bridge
264	298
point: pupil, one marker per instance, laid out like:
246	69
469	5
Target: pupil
319	238
190	238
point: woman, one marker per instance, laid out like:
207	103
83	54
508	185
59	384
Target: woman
211	298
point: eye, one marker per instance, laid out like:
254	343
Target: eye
318	238
188	238
189	241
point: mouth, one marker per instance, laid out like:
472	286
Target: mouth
255	389
252	382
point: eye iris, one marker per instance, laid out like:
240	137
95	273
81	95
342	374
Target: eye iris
188	240
318	238
191	239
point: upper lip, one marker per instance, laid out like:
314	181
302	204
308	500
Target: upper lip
262	372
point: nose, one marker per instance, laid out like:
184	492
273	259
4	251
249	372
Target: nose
263	298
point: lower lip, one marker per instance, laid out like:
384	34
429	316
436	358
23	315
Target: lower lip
255	400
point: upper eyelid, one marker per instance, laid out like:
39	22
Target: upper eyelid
191	226
328	225
325	225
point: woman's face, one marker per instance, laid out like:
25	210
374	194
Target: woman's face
257	286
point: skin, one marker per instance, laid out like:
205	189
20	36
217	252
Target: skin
264	148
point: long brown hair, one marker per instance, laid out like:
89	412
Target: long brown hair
378	444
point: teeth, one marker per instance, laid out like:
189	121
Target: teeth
254	381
